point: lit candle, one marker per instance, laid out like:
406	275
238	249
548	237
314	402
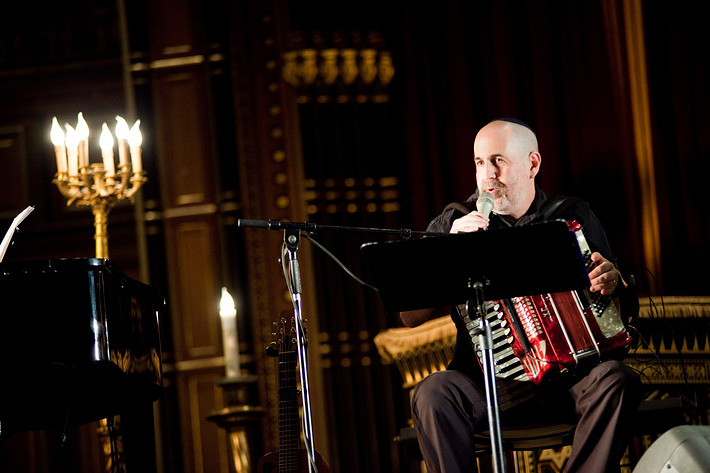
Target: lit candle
230	341
57	136
134	141
122	137
106	143
82	132
72	143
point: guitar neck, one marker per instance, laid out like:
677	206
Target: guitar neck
289	428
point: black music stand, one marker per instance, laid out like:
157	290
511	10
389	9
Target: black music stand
474	267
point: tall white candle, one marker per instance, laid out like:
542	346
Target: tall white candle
57	136
230	340
134	141
122	132
106	144
82	132
72	143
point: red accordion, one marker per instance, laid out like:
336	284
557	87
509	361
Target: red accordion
535	337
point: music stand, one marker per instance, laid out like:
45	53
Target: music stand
471	268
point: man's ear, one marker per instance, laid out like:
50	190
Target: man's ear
534	160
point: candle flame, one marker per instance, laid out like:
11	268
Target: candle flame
82	129
226	304
106	139
57	134
121	128
72	137
135	138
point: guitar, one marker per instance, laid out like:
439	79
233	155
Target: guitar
290	457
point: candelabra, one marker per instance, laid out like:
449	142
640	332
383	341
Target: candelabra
98	185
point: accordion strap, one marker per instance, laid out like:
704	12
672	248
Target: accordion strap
554	207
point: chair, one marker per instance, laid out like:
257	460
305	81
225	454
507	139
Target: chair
420	351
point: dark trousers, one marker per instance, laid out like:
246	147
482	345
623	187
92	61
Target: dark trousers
448	408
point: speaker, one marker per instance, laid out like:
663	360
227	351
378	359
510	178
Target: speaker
682	449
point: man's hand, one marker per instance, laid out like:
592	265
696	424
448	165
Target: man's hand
604	277
469	223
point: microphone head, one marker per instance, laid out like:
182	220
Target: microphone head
485	203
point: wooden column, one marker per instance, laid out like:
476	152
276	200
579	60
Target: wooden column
271	187
187	209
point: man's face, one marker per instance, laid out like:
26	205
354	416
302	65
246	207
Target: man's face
504	169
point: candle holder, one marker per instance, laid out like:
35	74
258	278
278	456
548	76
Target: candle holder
93	188
241	419
98	185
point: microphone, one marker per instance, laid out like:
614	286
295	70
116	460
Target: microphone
484	204
245	222
276	225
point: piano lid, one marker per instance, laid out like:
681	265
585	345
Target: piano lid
79	341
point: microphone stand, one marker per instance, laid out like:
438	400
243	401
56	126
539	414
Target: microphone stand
485	338
292	240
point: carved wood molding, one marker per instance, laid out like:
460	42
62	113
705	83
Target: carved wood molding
271	187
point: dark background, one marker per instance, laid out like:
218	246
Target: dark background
617	92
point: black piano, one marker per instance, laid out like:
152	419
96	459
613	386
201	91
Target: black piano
79	341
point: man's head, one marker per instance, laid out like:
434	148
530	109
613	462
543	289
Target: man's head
507	160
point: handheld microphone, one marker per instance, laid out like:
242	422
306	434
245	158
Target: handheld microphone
485	203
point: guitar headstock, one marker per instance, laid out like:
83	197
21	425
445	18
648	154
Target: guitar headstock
286	335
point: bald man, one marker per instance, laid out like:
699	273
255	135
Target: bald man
449	407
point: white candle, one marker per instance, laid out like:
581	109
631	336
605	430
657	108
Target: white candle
57	136
72	143
106	143
122	133
230	340
82	132
134	141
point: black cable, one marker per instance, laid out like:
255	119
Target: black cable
339	263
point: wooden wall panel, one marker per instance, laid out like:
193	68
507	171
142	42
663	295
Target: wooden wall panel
203	442
195	290
183	142
174	29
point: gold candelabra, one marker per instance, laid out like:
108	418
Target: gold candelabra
98	185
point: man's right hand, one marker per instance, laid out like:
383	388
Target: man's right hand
469	223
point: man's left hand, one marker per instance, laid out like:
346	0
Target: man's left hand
604	277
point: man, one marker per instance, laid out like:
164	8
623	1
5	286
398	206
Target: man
449	406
